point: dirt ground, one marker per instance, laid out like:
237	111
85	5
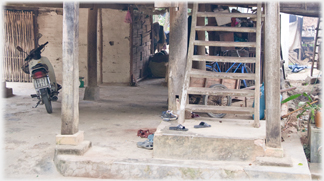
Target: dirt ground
293	123
111	124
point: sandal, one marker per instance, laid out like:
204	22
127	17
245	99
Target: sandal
146	144
202	125
178	128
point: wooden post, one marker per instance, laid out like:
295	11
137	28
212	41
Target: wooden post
201	36
184	96
92	91
272	61
70	91
178	54
257	69
132	79
100	45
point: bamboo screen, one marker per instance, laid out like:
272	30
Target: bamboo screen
18	31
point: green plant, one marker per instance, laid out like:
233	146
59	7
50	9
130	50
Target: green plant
309	105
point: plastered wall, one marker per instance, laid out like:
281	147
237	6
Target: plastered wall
116	57
116	51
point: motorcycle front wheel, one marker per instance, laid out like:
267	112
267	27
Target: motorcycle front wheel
46	100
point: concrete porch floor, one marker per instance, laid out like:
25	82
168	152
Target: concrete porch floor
111	125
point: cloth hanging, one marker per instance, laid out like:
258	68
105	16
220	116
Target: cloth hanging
294	38
128	18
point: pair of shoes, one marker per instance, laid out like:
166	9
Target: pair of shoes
168	116
147	144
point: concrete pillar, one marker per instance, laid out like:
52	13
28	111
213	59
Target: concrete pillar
201	36
92	90
71	139
272	61
178	52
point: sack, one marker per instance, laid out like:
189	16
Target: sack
25	68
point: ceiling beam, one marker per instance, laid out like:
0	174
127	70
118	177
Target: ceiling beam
60	5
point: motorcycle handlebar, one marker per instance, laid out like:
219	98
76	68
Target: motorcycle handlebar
38	49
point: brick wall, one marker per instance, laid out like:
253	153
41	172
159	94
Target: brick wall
141	44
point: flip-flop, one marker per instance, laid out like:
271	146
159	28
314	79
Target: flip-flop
202	125
178	128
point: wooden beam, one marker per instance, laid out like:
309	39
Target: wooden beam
60	5
70	92
200	36
132	78
92	90
177	54
272	61
100	45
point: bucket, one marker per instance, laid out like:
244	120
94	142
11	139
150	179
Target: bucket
81	82
262	102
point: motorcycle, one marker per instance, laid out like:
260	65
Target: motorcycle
43	77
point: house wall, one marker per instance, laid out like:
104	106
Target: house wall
116	51
116	57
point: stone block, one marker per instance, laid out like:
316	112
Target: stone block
7	91
315	140
91	93
185	145
312	80
274	152
316	170
79	149
74	139
273	161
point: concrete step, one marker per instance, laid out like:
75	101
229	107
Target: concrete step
93	165
230	140
98	162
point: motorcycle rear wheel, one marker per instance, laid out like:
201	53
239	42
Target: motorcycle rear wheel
46	101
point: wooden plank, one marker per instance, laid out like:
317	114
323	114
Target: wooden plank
314	52
224	43
184	95
224	92
223	28
101	46
177	54
223	59
257	70
221	75
219	109
232	15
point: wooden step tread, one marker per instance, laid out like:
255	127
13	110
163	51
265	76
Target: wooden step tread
221	75
223	59
224	43
219	109
230	29
224	92
232	15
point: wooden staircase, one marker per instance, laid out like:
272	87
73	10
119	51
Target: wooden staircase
222	75
316	53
